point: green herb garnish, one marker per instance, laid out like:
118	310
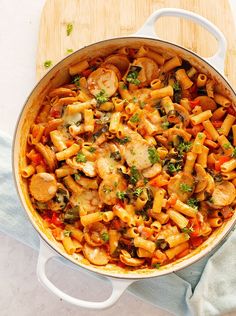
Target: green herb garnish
135	118
176	86
200	135
91	149
193	202
69	50
187	230
76	80
165	125
77	176
138	191
156	265
105	237
135	175
184	187
66	233
121	195
172	168
153	155
115	155
80	157
106	189
69	28
101	97
132	76
47	63
184	147
124	87
234	153
227	146
123	141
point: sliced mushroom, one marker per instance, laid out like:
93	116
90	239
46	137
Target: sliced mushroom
88	167
95	255
201	178
109	187
148	72
120	61
60	200
136	154
126	258
94	234
210	184
62	92
43	186
176	183
48	155
223	194
183	113
152	171
206	103
89	201
102	80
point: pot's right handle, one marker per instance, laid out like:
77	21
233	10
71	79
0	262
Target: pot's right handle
217	60
118	285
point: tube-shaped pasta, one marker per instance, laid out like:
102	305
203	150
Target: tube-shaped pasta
228	166
91	218
202	158
215	222
178	218
75	233
67	153
75	130
227	124
114	237
167	104
210	88
43	113
107	216
175	240
218	114
118	104
88	120
121	213
161	217
203	116
156	226
150	128
132	232
114	123
172	252
210	129
68	245
186	104
123	91
78	68
190	161
130	108
36	134
156	84
142	253
27	171
198	143
58	140
225	145
144	244
72	185
147	52
40	168
171	64
65	171
77	108
191	72
222	100
161	93
158	201
234	134
184	209
201	80
183	79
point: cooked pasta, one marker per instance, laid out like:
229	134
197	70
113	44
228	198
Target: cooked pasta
132	162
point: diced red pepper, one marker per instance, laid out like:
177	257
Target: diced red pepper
197	128
69	142
217	124
194	223
85	73
220	162
132	52
196	241
37	159
55	113
194	103
231	111
56	220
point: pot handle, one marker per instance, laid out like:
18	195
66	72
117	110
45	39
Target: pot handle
118	285
216	60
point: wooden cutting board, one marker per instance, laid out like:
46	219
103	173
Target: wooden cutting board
94	20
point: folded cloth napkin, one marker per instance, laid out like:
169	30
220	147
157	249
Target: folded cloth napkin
205	288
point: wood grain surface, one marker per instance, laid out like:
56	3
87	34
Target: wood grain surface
95	20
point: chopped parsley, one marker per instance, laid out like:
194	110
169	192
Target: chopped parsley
47	63
184	187
76	80
124	87
187	230
165	125
69	29
135	118
135	99
91	149
193	202
142	104
69	50
156	265
134	175
66	233
105	237
161	243
115	155
184	147
172	168
121	195
177	92
200	135
101	97
106	189
77	176
80	157
227	146
123	141
153	155
132	76
176	86
138	191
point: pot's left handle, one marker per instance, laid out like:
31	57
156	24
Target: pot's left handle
118	285
217	60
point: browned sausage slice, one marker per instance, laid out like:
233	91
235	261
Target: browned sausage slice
43	186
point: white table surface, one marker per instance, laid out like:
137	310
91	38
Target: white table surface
20	291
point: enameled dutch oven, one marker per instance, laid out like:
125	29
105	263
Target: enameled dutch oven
49	248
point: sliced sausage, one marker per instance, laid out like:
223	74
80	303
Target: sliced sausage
176	185
43	186
206	103
95	255
223	194
120	61
149	70
136	154
103	80
109	187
